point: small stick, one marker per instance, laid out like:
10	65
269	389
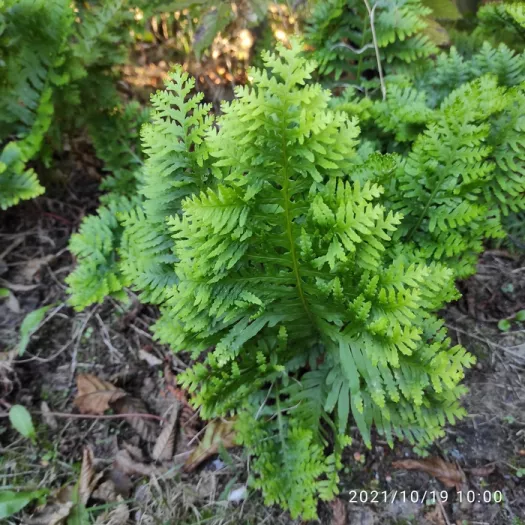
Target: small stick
104	416
371	14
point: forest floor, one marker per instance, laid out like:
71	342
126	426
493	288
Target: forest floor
483	453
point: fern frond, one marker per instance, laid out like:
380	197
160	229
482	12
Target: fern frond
97	274
16	181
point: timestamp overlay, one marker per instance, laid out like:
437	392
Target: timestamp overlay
428	497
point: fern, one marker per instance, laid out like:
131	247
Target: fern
98	274
176	167
452	70
97	244
32	43
285	283
341	36
462	175
16	181
502	23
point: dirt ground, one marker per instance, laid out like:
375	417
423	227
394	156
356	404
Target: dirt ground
112	341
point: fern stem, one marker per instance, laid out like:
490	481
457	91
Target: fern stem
427	205
371	14
361	56
289	232
279	418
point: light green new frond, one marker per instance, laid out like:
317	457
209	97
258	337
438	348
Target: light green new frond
97	274
173	144
175	168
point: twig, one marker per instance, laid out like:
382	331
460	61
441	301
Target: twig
103	416
353	49
488	342
371	14
443	511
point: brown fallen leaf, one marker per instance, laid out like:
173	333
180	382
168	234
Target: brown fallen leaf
106	491
448	473
88	477
435	516
151	359
339	513
52	514
95	395
482	472
118	516
48	418
29	271
127	465
56	509
134	451
145	428
218	432
165	444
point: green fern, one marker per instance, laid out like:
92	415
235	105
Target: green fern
289	289
502	22
33	36
98	274
462	175
16	181
176	167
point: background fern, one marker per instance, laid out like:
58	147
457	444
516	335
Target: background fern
341	37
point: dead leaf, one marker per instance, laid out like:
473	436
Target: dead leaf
165	444
51	515
12	303
29	271
57	508
18	287
134	452
88	477
127	465
448	473
435	516
145	428
482	472
95	395
118	516
217	432
49	419
106	491
339	514
149	358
